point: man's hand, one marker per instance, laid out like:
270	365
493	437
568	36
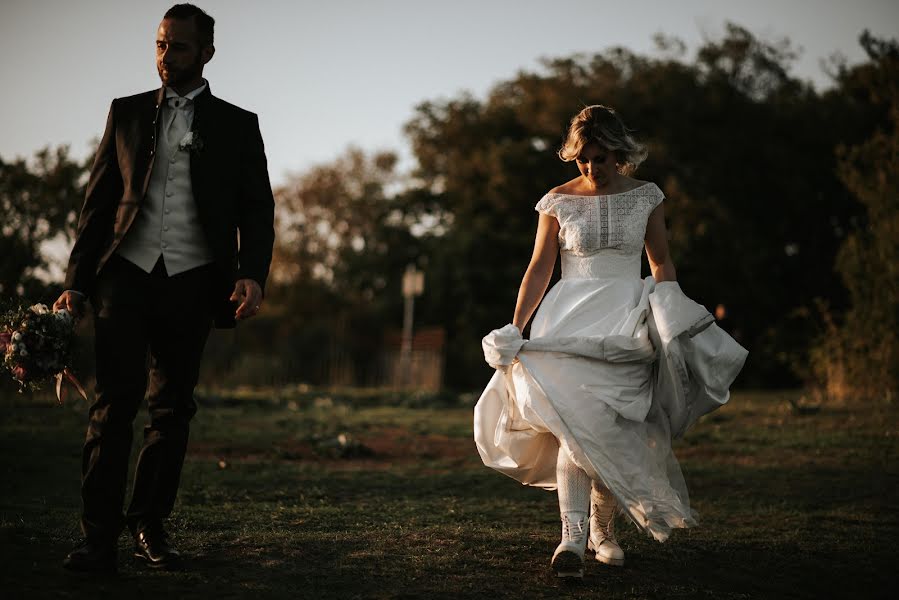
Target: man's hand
71	301
249	294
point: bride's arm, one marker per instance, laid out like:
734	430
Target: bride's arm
540	270
657	246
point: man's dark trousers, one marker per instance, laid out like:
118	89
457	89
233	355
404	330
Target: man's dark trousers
148	326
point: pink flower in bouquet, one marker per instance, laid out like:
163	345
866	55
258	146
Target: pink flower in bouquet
36	346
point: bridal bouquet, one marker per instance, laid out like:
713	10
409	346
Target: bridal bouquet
36	345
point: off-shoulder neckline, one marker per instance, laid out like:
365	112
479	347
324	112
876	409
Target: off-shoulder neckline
601	195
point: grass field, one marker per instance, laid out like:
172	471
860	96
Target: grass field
315	494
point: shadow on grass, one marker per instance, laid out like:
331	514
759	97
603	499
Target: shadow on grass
809	514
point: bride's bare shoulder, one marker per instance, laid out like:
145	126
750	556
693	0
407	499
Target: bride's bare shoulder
569	187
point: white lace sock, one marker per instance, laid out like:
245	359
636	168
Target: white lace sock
601	492
574	504
603	508
574	488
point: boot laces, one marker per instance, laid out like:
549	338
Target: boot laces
573	531
604	520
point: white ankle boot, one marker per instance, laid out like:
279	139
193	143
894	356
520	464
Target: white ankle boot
602	528
568	559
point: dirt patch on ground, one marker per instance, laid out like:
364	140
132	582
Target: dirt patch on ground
401	444
708	454
375	449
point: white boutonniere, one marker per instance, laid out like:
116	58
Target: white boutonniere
191	142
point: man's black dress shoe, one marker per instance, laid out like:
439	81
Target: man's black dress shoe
151	545
92	557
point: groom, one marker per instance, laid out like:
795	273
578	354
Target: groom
178	175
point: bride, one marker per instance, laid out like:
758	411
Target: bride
615	365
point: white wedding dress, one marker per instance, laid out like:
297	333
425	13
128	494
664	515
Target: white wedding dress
615	366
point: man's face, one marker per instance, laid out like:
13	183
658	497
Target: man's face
179	55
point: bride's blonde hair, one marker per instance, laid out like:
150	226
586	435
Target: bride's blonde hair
601	124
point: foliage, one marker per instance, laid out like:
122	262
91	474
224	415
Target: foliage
331	212
859	356
755	209
344	237
759	203
40	200
744	152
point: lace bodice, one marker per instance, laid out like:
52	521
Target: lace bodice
592	224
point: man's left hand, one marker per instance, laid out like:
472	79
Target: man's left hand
249	294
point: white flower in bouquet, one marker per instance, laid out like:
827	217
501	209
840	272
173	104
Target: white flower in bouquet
36	346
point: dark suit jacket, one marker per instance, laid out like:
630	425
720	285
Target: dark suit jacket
230	186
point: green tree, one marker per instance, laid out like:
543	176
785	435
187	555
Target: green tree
743	151
344	238
858	356
40	200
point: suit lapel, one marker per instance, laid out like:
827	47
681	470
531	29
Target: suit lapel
204	119
152	130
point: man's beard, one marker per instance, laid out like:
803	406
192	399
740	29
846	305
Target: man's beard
176	77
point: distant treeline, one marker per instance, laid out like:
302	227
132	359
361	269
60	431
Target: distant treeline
781	206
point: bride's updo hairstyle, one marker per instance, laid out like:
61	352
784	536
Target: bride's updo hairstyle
601	124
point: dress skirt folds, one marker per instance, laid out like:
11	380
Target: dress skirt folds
610	392
615	368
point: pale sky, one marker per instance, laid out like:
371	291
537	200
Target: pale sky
327	74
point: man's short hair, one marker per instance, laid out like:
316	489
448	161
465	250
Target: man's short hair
205	23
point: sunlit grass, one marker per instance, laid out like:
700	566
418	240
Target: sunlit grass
272	505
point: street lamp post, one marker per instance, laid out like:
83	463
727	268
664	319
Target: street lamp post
413	285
